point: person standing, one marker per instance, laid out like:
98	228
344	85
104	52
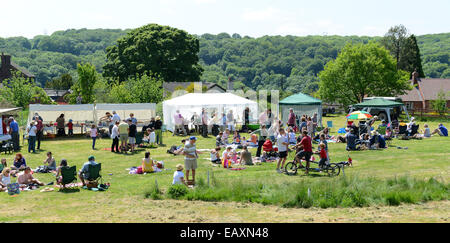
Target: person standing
306	144
31	130
124	129
314	120
107	119
94	134
61	125
190	160
133	119
291	119
115	117
262	136
204	123
39	132
115	138
14	132
269	120
246	119
282	144
132	134
179	123
158	130
230	120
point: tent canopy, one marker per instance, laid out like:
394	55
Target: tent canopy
9	110
90	113
379	103
302	104
213	103
300	99
49	113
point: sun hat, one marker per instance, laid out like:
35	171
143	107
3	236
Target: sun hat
157	118
180	167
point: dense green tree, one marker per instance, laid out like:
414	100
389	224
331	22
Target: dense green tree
162	50
87	77
64	82
361	70
20	91
145	89
404	48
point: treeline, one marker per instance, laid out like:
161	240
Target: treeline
289	63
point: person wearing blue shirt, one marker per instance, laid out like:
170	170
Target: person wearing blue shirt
14	131
441	130
84	172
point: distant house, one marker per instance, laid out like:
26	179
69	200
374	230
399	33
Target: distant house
206	86
8	68
57	95
430	88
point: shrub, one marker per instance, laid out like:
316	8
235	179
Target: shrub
154	193
177	191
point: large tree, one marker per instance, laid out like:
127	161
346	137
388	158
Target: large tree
361	70
162	50
87	76
404	48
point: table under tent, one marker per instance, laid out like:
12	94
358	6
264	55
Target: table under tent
214	103
302	104
82	115
382	107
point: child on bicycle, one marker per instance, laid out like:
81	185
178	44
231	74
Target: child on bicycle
323	155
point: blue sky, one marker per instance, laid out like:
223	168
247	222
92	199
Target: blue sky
246	17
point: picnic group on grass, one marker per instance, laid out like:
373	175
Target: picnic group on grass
273	141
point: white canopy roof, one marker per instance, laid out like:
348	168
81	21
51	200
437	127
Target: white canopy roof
8	110
78	113
212	102
90	112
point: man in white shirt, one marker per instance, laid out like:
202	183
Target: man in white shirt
204	123
31	130
115	118
179	123
115	137
282	144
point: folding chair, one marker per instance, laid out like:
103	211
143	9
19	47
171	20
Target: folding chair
94	172
69	175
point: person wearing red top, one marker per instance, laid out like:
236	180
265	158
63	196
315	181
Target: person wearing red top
305	143
323	155
39	131
5	131
70	127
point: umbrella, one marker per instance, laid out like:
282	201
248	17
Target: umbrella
359	115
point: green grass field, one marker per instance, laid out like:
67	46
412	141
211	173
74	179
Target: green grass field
127	200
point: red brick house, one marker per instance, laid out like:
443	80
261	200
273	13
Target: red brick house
430	88
8	68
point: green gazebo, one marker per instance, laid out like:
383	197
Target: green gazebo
378	105
301	104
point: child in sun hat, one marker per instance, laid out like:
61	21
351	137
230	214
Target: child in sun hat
178	176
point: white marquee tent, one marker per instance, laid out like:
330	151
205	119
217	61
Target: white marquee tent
49	113
212	102
89	113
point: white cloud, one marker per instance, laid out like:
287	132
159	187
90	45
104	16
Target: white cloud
204	1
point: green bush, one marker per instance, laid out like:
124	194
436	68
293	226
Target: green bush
154	193
177	191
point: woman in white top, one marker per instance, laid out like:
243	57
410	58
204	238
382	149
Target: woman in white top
32	130
178	176
5	179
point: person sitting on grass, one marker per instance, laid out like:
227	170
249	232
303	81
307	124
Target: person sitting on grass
5	179
246	157
215	156
225	136
178	176
426	131
84	172
236	138
62	164
291	136
219	141
441	130
351	140
226	157
27	179
19	163
50	161
147	163
388	135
